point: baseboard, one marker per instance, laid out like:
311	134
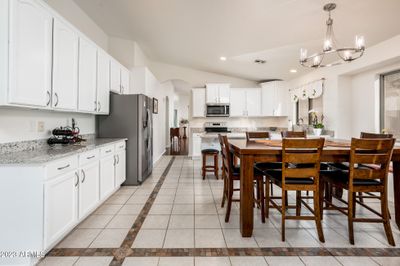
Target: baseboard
159	157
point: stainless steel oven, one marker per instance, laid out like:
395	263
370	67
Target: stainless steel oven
217	110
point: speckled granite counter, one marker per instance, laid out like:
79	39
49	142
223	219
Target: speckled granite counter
46	154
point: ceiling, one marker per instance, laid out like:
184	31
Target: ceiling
196	33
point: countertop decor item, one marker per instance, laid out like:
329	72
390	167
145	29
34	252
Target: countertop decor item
331	54
318	124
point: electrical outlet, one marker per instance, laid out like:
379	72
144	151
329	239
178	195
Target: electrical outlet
40	126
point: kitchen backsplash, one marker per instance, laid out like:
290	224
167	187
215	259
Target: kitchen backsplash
243	122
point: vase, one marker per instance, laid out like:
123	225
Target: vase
317	131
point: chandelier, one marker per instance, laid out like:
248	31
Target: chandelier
345	54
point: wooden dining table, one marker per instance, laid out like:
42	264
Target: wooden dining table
251	152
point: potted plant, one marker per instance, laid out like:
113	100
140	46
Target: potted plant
318	124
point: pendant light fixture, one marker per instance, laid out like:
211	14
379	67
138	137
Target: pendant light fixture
344	54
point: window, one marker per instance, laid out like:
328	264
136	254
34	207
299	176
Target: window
390	103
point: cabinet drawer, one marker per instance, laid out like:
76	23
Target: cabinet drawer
62	166
88	157
120	146
107	150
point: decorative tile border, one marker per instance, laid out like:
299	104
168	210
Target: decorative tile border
125	249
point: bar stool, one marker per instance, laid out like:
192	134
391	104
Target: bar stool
209	168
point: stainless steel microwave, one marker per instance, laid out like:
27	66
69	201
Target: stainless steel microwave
217	110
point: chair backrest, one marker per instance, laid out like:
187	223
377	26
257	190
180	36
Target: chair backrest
257	135
301	158
227	160
293	134
174	132
376	152
366	135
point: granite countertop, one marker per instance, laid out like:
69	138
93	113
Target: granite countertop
47	153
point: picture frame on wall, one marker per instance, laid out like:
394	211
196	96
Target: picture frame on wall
155	106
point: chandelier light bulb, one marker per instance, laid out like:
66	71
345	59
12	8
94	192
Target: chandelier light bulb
347	56
316	61
327	45
303	54
360	42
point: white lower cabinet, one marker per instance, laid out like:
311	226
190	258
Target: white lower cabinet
120	168
107	176
60	210
88	188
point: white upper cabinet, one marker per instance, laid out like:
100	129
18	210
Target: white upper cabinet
87	76
115	77
253	102
65	67
30	54
275	99
218	93
238	102
124	80
103	82
198	102
245	102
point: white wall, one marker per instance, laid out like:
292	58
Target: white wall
75	15
181	103
21	124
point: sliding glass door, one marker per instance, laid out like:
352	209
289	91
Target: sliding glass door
390	103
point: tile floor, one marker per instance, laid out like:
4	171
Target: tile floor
186	216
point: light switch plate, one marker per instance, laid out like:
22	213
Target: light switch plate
40	126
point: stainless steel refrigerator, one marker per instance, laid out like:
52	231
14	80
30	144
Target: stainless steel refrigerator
131	117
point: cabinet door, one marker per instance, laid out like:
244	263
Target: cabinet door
103	83
212	93
198	102
30	56
268	99
87	76
124	81
120	168
65	67
89	188
107	175
60	213
282	100
238	102
224	93
196	145
115	77
253	102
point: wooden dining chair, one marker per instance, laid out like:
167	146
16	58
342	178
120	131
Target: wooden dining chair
300	172
257	135
293	134
231	173
360	178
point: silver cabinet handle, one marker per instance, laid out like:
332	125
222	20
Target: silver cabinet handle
56	95
108	151
99	106
63	167
77	179
83	175
117	159
49	98
90	157
95	105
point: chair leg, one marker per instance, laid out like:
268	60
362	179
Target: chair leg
317	211
350	216
284	198
229	203
385	216
321	199
216	166
360	198
203	169
225	193
260	187
266	199
354	204
298	202
272	188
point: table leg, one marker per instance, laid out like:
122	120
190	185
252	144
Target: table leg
246	195
396	186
